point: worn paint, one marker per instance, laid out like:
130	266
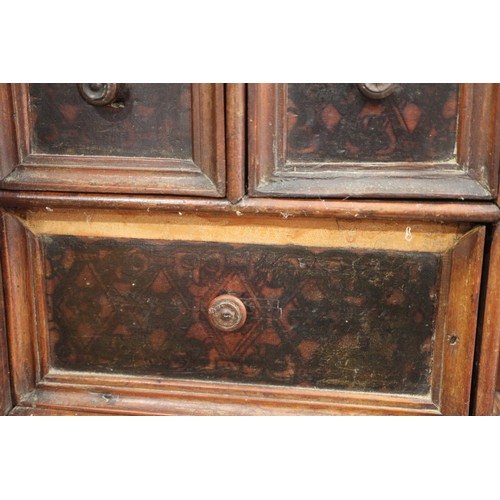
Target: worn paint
341	319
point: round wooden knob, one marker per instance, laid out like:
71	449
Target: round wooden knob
99	94
227	313
377	90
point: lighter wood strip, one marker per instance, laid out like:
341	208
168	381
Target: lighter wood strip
266	230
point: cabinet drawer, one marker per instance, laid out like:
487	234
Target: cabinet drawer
338	140
356	316
149	138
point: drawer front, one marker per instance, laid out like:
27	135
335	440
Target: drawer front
158	138
378	313
339	140
341	319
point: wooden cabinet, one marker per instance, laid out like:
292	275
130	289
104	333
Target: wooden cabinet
128	290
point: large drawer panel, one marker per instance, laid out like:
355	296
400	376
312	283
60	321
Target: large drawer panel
380	312
344	319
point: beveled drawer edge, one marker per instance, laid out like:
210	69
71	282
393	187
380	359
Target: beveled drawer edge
80	392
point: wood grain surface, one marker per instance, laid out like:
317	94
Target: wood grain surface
488	352
5	392
342	209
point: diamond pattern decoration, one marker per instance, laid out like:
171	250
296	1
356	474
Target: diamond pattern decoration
88	306
233	345
337	318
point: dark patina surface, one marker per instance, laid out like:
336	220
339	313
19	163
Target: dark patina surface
154	120
341	319
331	122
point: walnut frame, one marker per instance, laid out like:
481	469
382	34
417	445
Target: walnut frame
487	377
205	175
5	395
473	176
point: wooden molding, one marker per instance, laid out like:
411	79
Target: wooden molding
431	211
488	350
8	151
460	326
235	140
5	395
479	133
17	263
131	395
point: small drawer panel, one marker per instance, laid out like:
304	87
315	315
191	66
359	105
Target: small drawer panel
340	319
335	122
153	120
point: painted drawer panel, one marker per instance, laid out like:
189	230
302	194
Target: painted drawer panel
340	319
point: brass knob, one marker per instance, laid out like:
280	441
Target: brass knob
100	94
227	313
377	90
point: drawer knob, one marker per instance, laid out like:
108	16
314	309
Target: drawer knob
100	94
227	313
377	90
